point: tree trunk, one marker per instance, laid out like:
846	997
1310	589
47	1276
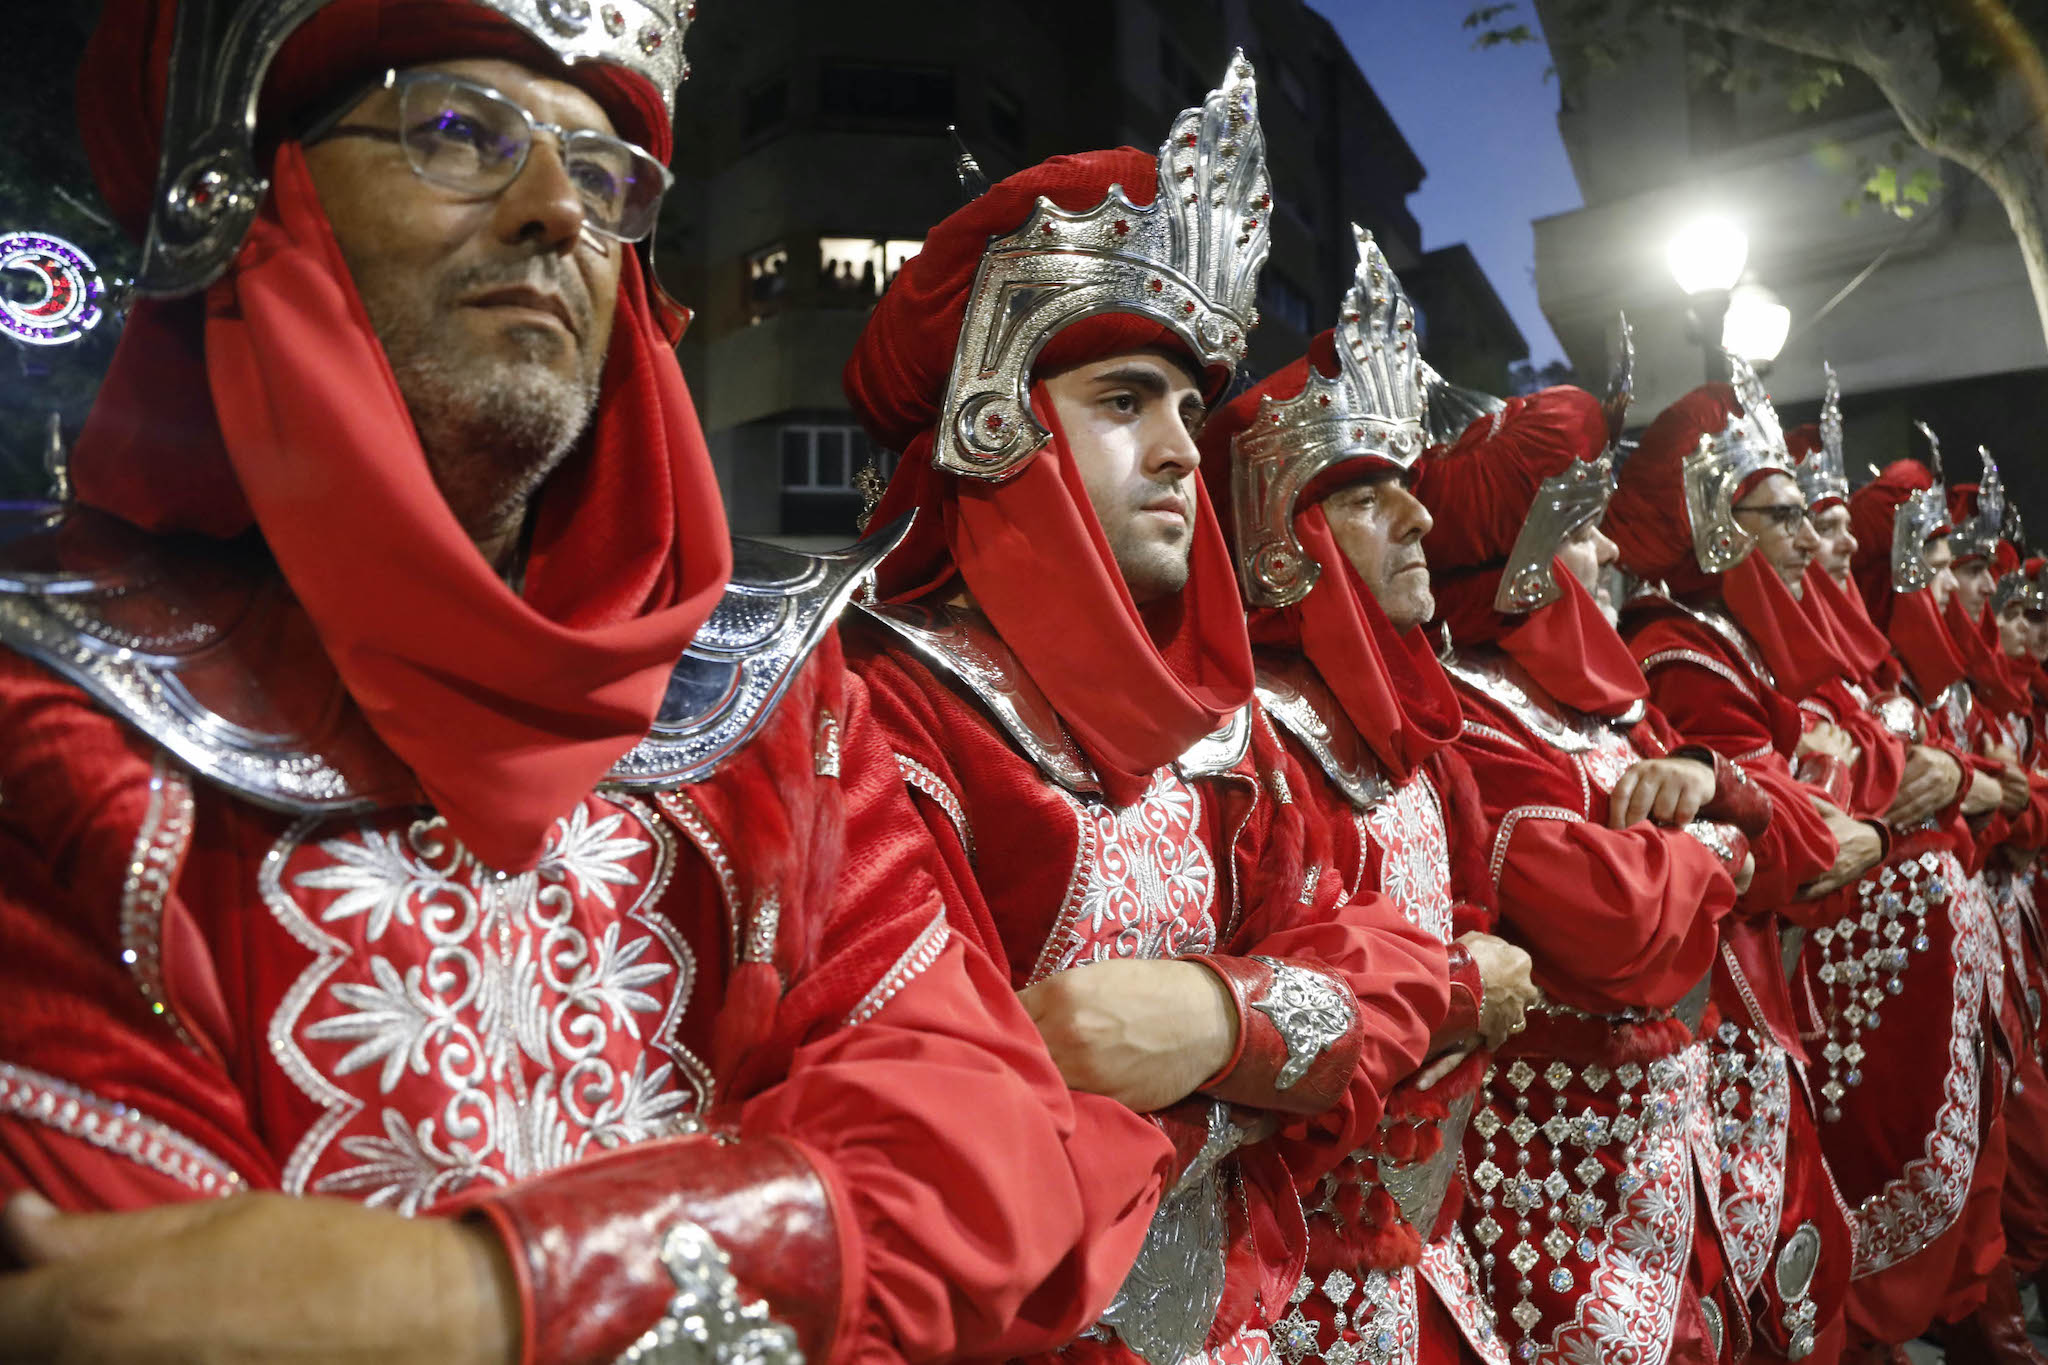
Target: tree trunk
2004	143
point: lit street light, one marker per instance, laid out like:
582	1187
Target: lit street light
1706	258
1756	325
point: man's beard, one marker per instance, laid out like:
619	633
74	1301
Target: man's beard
492	426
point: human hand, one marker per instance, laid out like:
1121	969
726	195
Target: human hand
1745	874
1931	780
1984	795
1145	1033
1828	738
253	1279
1506	991
1857	849
1669	791
2013	791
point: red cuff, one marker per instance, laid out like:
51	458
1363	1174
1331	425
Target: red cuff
1736	800
1299	1036
1826	772
587	1243
1468	997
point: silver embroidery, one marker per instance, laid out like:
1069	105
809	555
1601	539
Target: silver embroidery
923	951
1516	817
923	779
1143	885
1309	1010
153	865
510	1025
707	1323
117	1128
1699	660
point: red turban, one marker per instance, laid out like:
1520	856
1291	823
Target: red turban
1910	620
1479	491
1648	520
1389	683
269	399
1135	687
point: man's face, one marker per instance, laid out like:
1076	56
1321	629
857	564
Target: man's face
1131	422
1837	543
496	312
1941	560
1775	514
1379	525
2012	630
1586	552
1973	585
2037	636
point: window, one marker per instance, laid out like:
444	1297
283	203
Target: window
767	280
858	269
919	96
1282	301
824	477
764	107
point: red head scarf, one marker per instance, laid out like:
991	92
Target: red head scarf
1136	687
1479	491
1909	620
269	400
1648	520
1388	682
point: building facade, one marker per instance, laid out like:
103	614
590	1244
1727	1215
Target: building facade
1929	318
808	168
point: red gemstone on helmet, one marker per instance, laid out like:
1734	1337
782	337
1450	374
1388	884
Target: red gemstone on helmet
1188	138
993	423
1188	307
1123	229
1158	285
1324	400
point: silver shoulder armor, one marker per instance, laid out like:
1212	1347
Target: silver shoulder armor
776	609
161	634
958	643
1337	749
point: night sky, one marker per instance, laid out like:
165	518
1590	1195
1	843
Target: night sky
1484	125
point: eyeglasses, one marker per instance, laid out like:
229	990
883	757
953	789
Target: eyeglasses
468	137
1786	516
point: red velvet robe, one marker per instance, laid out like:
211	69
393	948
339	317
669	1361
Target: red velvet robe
1905	1109
1412	1290
204	997
1621	925
1055	878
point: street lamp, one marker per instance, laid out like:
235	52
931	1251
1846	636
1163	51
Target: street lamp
1706	258
1756	325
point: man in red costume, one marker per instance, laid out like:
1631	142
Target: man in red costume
363	836
1058	657
1730	654
1618	855
1312	465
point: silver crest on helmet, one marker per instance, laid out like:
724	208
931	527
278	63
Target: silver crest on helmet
1190	260
1568	500
1920	519
208	187
1450	409
1823	474
1751	443
1977	536
1371	409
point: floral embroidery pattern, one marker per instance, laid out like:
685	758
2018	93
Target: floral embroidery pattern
461	1026
1924	1199
1143	885
1407	831
1740	1137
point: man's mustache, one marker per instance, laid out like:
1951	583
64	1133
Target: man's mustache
549	274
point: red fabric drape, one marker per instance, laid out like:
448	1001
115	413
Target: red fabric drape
270	400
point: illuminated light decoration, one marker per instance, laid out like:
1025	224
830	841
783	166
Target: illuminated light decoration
72	290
